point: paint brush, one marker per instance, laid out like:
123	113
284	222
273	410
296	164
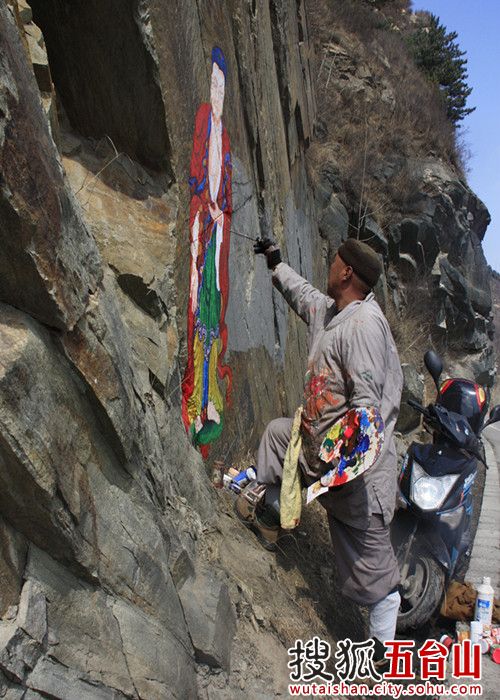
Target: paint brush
244	236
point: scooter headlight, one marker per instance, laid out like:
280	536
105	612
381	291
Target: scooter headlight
429	492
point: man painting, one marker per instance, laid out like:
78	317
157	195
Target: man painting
209	224
353	377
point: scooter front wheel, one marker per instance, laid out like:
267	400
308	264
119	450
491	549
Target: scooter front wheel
421	592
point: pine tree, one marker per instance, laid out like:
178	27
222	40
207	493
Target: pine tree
437	53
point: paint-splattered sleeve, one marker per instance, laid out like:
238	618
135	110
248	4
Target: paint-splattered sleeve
364	356
301	296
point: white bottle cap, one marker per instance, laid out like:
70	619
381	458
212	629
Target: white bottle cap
486	580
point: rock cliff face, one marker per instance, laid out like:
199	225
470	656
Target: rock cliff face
121	573
387	169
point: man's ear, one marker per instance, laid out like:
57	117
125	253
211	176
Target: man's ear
348	272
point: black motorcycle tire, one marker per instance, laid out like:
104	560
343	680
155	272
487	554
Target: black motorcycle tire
428	586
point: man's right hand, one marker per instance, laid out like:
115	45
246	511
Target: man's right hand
265	246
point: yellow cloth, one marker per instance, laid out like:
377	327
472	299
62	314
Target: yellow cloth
291	490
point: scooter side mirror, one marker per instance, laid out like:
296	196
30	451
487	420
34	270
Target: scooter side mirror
494	416
434	366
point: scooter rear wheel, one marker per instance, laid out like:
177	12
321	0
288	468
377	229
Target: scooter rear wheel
421	592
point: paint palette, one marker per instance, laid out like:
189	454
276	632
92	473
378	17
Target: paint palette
353	444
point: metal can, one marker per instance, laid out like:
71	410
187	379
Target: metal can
463	631
252	474
495	634
485	645
446	640
245	477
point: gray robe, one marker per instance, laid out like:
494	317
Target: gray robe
353	363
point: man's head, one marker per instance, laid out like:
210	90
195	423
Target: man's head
354	270
217	82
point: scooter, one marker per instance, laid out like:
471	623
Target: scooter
432	531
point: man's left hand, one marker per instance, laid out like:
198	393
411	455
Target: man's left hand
265	246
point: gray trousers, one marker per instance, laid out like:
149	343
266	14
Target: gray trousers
366	565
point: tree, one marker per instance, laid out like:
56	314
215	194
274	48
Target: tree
437	54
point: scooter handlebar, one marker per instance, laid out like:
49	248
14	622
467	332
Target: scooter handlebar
474	444
418	407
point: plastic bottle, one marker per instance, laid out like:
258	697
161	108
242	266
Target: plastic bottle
476	631
484	601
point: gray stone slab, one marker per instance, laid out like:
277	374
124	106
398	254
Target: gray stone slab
160	666
210	618
32	616
57	681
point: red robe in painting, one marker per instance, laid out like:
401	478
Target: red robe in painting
193	395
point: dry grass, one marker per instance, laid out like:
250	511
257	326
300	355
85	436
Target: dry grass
413	326
360	17
377	106
410	333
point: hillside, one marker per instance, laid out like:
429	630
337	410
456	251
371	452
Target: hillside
388	168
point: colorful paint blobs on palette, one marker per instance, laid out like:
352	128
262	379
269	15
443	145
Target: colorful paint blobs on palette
354	442
206	385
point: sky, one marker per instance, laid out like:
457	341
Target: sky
478	27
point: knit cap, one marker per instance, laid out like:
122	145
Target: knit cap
363	260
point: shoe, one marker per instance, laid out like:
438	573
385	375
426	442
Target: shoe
379	660
244	510
261	520
249	501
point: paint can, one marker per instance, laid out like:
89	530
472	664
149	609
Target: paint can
244	477
495	634
462	631
218	470
495	653
446	640
485	645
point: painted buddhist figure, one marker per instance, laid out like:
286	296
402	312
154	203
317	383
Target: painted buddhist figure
206	377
